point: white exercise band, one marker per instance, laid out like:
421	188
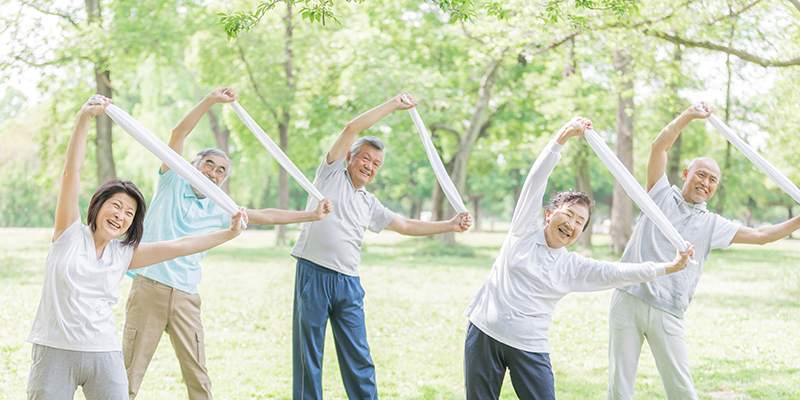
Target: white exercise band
773	173
445	182
172	159
276	152
635	191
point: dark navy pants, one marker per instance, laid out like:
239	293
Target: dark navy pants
485	364
320	294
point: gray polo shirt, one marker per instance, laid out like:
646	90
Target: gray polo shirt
335	241
700	227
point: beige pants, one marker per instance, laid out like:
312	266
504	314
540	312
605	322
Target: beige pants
631	322
154	308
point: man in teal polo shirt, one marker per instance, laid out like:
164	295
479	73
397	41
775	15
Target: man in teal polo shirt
164	297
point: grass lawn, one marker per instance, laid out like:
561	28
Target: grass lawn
742	326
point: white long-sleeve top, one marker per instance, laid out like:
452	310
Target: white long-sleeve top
528	278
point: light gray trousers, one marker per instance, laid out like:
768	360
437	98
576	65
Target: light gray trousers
56	374
630	322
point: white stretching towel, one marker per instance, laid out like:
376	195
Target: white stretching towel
773	173
172	159
634	190
445	182
276	152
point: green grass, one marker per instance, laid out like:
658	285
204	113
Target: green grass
742	327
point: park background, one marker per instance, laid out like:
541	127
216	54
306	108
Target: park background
494	81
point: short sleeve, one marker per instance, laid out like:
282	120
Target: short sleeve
724	231
74	231
167	177
380	216
325	170
661	185
125	252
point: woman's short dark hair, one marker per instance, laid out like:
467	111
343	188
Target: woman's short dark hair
134	234
570	197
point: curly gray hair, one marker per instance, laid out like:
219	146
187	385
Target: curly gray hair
213	152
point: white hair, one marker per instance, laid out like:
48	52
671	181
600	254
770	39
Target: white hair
370	140
213	152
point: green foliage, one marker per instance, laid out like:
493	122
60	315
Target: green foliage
237	22
555	12
495	9
164	57
233	24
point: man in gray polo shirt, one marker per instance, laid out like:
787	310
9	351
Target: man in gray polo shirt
328	252
655	310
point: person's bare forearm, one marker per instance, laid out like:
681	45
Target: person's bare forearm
368	119
413	227
353	128
274	216
153	253
767	234
666	138
190	120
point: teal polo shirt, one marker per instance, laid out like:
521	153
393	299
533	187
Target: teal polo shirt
175	212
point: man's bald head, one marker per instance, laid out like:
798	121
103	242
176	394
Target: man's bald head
701	179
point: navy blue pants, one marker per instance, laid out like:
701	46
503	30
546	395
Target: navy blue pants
485	364
321	294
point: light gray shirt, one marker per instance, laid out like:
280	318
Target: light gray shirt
335	241
700	227
528	278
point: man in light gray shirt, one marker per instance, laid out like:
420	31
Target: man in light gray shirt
328	252
655	310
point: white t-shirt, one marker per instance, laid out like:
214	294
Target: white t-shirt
78	292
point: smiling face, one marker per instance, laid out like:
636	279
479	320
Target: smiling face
364	165
701	179
564	224
115	216
213	167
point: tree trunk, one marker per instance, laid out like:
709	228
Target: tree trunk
102	77
438	197
476	216
727	166
283	127
674	163
583	182
222	135
437	202
580	160
416	209
283	180
467	142
622	205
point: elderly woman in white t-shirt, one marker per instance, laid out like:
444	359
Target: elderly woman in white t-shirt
511	314
74	336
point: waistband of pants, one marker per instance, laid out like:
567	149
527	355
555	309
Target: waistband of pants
153	282
319	268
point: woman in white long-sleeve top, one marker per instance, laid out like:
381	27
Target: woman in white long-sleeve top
511	314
